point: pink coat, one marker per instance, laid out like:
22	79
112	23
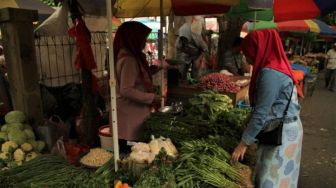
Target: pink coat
133	103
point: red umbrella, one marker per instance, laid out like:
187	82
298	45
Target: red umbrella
295	10
294	25
301	9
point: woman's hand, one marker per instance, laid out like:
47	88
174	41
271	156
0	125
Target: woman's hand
239	152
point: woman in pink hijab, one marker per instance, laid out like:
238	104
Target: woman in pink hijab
134	80
273	96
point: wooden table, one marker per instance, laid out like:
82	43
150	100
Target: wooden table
185	91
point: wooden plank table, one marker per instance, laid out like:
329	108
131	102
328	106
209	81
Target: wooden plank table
185	91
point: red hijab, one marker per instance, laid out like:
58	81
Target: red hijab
265	49
131	36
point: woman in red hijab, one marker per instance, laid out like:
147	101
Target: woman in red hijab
134	80
272	89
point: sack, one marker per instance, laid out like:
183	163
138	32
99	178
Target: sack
272	135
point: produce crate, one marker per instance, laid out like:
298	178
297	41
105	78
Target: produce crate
185	91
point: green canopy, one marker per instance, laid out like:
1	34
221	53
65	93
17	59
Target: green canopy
252	26
243	11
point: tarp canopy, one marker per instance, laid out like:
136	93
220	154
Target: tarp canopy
148	8
44	11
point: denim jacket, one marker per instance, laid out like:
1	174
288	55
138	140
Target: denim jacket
273	90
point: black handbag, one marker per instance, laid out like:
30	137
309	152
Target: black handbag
272	134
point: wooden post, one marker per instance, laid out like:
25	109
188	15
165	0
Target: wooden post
19	48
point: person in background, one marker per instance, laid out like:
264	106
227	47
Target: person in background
2	56
5	99
2	61
330	74
272	84
189	47
134	86
234	61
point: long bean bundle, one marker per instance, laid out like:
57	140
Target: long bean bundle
202	164
53	172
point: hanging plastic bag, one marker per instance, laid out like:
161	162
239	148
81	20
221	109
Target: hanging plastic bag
52	129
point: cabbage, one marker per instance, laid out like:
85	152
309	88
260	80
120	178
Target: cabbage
17	136
3	136
40	145
29	134
4	128
26	126
15	126
15	117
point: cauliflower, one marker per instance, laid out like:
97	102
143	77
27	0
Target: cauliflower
26	147
17	136
6	147
4	155
15	117
29	134
19	155
31	156
33	143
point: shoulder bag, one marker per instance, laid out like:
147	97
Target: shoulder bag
272	134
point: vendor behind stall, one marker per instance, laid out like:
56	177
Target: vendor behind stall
189	47
234	60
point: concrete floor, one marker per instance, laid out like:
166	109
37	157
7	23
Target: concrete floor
318	115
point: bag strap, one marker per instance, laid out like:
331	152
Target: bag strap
289	101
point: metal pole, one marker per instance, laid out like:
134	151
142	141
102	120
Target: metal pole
112	85
161	50
301	50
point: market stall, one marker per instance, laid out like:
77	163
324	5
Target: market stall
236	87
186	144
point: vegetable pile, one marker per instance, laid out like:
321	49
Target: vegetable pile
218	82
159	174
142	152
177	128
209	104
202	164
53	172
17	141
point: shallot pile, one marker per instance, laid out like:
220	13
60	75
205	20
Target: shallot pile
218	82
